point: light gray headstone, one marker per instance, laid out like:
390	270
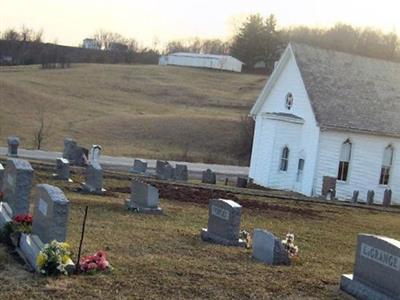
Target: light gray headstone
241	182
269	249
1	176
93	179
17	185
354	199
13	143
376	270
181	172
387	198
370	197
62	169
223	223
50	214
144	198
209	177
139	166
95	153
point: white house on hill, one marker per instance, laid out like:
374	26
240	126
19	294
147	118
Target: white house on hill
196	60
329	119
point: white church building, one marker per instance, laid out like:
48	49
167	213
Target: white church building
329	119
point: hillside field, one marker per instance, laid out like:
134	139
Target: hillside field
131	110
163	257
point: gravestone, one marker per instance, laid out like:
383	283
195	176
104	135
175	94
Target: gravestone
50	214
354	199
329	187
95	153
223	223
164	170
93	179
181	172
370	197
376	270
387	198
144	198
209	177
1	176
13	143
269	249
139	166
241	182
17	184
63	169
76	155
50	219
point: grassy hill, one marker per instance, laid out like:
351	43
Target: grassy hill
131	110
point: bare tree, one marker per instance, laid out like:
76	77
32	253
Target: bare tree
42	130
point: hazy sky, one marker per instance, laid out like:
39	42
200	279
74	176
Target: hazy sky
69	21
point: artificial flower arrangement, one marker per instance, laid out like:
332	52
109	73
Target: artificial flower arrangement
55	259
289	245
12	230
96	263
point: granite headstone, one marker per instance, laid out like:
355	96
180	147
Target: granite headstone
144	198
13	143
387	198
139	166
209	177
93	179
62	169
269	249
181	172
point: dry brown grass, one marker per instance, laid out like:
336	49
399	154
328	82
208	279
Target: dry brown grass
145	111
163	257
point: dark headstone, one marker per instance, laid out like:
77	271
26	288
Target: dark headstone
223	223
181	172
17	185
76	155
139	166
13	143
387	198
370	197
62	169
376	269
354	199
209	177
50	214
269	249
144	198
329	187
241	182
164	170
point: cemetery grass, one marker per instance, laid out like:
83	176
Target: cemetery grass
131	110
163	257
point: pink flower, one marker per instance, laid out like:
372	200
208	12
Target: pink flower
103	265
92	266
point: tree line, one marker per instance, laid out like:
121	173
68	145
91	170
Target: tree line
258	39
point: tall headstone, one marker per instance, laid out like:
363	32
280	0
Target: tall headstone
144	198
50	219
1	177
223	223
376	270
329	187
370	197
93	179
17	185
139	166
354	199
95	153
50	214
241	182
181	172
387	198
209	177
269	249
63	169
13	143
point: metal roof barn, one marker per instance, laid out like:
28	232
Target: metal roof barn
219	62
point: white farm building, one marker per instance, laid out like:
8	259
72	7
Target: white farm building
329	122
219	62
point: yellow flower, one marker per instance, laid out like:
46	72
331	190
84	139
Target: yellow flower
65	246
65	259
41	259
